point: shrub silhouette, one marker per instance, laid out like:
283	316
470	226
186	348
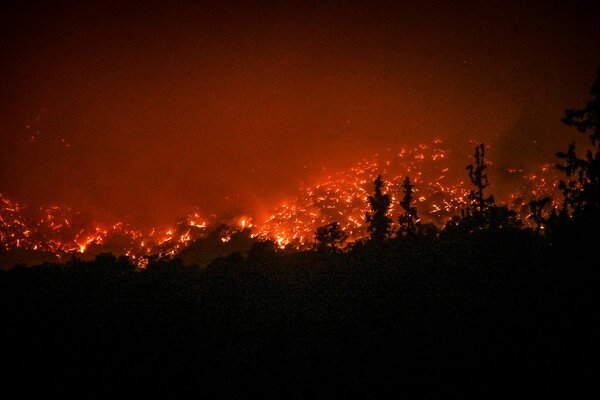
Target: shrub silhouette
329	237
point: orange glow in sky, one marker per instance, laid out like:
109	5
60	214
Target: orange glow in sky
140	112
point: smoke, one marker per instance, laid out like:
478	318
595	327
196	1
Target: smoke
140	115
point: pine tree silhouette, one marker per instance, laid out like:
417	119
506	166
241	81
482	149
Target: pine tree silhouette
408	220
378	220
581	190
482	212
478	176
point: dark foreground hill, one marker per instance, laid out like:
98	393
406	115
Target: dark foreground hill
487	314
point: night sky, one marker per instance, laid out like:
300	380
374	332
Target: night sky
144	110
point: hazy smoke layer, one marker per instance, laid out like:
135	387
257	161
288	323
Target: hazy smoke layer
143	112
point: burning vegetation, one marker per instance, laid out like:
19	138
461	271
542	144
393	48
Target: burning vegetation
438	192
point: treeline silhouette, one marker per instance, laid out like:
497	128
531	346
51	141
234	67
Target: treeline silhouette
484	306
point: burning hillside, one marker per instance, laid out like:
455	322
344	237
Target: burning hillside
440	192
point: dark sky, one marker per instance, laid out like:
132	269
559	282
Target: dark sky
143	110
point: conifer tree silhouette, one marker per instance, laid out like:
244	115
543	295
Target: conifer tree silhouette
482	212
378	220
408	220
479	203
581	190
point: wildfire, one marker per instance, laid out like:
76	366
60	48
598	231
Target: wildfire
341	198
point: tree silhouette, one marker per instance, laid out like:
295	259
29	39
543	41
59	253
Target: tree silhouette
329	237
408	219
262	249
478	176
475	214
581	190
378	220
536	207
482	212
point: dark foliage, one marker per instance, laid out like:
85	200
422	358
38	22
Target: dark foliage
408	220
582	188
484	314
478	176
482	213
379	224
537	208
330	237
483	308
